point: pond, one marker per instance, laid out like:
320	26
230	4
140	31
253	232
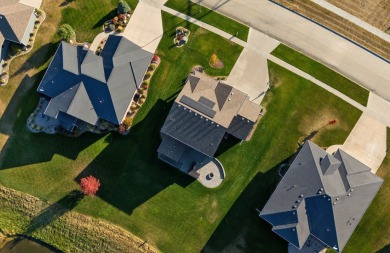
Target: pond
24	245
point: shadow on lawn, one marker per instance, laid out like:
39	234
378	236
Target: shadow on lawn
242	230
29	148
38	58
385	249
128	168
55	211
107	17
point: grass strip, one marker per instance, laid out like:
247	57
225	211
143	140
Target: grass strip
210	17
322	73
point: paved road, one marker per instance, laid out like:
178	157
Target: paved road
315	41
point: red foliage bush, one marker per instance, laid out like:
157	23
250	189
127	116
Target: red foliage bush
332	122
155	58
89	185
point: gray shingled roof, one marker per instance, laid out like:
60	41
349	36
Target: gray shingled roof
335	190
16	21
192	129
107	82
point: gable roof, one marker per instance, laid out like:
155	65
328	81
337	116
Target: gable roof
106	86
336	191
16	21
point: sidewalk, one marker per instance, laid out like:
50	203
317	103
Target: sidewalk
377	112
353	19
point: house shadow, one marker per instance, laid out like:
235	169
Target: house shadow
54	211
242	230
27	147
385	249
107	17
38	58
129	170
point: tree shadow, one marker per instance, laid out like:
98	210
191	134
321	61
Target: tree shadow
54	211
129	170
66	2
242	230
385	249
38	58
108	16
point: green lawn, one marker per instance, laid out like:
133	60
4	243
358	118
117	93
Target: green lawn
210	17
322	73
87	17
153	200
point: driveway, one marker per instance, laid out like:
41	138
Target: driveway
250	72
145	26
315	41
367	142
32	3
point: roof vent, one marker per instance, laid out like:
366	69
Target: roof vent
301	196
337	199
294	206
351	190
334	203
349	194
229	99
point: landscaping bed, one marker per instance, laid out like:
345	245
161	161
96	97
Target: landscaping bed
151	199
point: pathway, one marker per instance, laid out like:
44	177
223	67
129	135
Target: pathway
357	21
96	41
313	40
145	26
366	142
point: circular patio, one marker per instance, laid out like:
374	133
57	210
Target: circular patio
211	173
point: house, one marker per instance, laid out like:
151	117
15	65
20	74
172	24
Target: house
17	20
322	197
82	86
204	112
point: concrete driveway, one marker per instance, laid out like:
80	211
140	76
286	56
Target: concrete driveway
250	72
367	142
315	41
145	26
32	3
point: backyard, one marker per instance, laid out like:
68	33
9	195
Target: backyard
146	196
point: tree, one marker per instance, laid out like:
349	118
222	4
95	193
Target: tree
123	7
66	32
89	185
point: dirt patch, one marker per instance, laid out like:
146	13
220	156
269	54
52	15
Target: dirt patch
374	12
341	25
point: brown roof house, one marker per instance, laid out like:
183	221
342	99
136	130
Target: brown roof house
321	199
204	112
17	21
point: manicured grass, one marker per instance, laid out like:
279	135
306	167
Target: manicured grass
373	232
88	17
322	73
138	192
153	200
255	163
210	17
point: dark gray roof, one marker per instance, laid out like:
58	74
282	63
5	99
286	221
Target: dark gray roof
335	190
240	127
193	130
107	82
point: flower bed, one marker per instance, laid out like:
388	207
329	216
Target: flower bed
181	37
118	23
139	97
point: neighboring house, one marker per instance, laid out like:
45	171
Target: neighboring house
202	114
81	85
321	197
17	20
